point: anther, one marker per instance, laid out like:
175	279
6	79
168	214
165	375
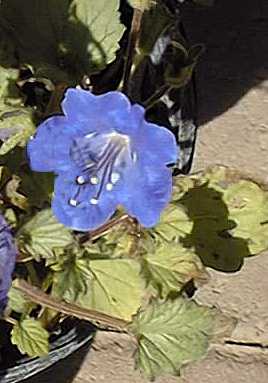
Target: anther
109	186
115	177
94	201
94	180
73	202
80	180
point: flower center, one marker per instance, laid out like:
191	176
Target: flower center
101	159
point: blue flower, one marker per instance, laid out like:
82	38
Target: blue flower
8	253
104	154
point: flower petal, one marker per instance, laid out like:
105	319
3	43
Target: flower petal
75	210
102	113
157	142
48	150
8	253
147	192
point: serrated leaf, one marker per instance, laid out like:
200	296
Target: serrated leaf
115	288
172	334
171	267
17	301
30	338
71	278
247	203
174	222
230	212
42	234
100	30
16	127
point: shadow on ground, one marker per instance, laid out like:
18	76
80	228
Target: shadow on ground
235	33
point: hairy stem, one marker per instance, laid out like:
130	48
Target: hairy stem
99	319
132	43
95	234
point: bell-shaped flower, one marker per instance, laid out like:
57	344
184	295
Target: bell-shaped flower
104	154
8	253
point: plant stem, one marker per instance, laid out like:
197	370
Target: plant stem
99	319
132	43
103	229
151	101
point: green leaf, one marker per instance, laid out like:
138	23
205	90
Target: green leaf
94	33
142	4
16	127
30	338
71	278
8	78
174	222
172	334
229	213
247	203
115	288
43	234
154	23
171	267
16	300
36	28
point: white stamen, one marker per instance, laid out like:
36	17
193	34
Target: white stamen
109	186
80	180
73	202
94	180
94	201
31	137
115	177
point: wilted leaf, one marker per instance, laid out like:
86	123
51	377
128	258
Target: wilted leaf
122	242
16	198
174	223
171	266
30	338
42	234
115	288
71	278
172	334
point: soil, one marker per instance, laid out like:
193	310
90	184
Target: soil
233	104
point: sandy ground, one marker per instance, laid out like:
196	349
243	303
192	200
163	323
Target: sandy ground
233	113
